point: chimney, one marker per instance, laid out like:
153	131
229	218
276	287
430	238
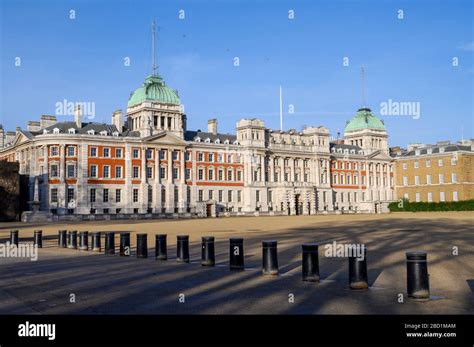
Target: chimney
33	126
212	126
78	116
47	121
117	120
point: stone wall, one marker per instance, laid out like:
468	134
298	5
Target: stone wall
9	191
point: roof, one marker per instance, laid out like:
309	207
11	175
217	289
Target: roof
337	146
436	150
85	127
192	135
364	119
154	89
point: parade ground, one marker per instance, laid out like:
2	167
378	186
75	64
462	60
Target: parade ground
67	281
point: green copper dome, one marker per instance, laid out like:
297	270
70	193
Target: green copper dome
154	89
364	119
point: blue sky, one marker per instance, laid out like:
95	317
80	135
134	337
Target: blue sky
405	60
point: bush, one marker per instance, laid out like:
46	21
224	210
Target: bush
406	205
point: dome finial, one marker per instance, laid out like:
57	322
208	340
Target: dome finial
362	85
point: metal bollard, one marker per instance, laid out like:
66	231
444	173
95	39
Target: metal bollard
418	287
161	247
236	254
62	239
84	240
142	246
38	238
208	257
182	250
310	263
358	272
96	242
269	258
14	239
72	240
124	244
110	243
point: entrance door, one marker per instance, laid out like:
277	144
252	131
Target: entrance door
209	210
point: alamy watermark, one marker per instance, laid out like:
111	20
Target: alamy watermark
26	250
400	108
67	108
344	250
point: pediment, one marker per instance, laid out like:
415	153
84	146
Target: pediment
19	139
379	155
165	138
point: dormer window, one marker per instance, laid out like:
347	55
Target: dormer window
197	139
352	151
218	141
91	132
361	152
346	151
441	149
226	142
333	149
45	131
417	152
429	151
71	131
339	150
55	131
208	140
236	142
115	133
103	133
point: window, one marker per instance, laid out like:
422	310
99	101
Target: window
453	161
430	197
71	170
220	158
428	179
200	157
417	197
118	195
455	196
175	173
118	210
405	180
54	151
162	172
415	164
210	195
150	194
54	171
175	155
200	174
149	154
71	151
149	172
428	163
187	156
92	195
220	195
93	152
200	195
441	196
162	154
54	194
229	175
211	157
93	171
188	174
106	152
405	166
417	180
441	178
257	196
454	177
239	196
136	172
136	153
135	195
118	172
210	174
70	194
229	195
106	171
239	176
118	152
221	174
440	162
106	211
105	195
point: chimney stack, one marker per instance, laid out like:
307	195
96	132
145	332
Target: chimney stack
33	126
117	120
78	116
2	137
47	121
212	126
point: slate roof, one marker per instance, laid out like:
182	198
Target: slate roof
435	150
97	127
191	135
343	147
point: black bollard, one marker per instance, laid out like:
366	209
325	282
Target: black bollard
418	287
14	239
124	244
62	239
96	242
142	246
310	262
358	271
110	243
269	258
236	254
161	247
182	250
72	240
208	257
38	238
83	240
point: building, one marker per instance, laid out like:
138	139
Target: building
434	173
151	165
